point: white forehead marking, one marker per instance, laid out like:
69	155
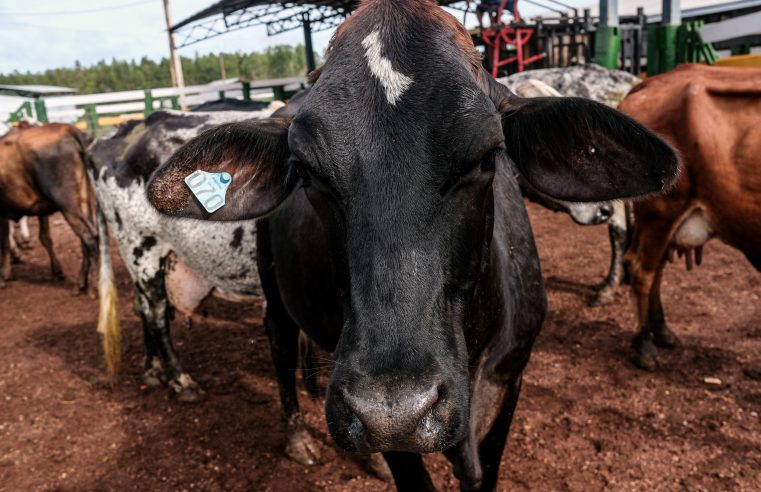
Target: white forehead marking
395	83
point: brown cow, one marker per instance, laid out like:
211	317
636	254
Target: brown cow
711	115
42	171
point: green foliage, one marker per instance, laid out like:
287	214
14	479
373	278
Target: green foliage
120	75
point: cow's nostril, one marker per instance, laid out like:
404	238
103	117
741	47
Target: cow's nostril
604	213
385	417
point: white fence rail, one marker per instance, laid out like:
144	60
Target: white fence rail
135	103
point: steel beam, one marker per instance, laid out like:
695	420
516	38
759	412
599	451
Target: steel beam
672	13
609	13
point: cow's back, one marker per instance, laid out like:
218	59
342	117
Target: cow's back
39	165
711	116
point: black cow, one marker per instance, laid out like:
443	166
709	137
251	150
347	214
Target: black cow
396	235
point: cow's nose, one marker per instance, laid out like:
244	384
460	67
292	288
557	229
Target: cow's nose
604	213
400	417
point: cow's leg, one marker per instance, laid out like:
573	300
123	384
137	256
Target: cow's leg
656	319
13	245
646	261
23	238
476	465
85	231
5	251
152	305
618	234
284	344
493	445
408	471
47	243
309	372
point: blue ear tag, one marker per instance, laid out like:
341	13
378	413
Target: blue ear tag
209	188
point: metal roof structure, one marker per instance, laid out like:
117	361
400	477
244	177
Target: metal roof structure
36	90
278	17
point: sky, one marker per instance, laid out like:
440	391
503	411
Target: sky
39	34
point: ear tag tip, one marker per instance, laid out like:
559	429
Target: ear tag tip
210	189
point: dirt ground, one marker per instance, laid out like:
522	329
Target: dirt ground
587	419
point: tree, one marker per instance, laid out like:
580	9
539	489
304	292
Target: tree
122	75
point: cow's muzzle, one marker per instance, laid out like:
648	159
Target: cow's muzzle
374	414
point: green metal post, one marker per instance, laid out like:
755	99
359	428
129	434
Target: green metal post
148	103
667	47
246	90
91	116
175	102
653	62
608	35
42	112
666	37
661	49
279	92
221	94
607	46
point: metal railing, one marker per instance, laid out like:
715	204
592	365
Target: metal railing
141	103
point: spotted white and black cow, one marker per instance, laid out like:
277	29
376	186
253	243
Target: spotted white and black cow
166	259
617	214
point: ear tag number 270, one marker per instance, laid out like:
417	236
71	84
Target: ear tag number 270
209	188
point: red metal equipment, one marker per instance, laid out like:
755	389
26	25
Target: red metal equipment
497	37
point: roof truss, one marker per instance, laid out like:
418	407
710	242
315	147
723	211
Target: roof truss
278	17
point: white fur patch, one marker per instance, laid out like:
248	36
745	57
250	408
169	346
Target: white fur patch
395	83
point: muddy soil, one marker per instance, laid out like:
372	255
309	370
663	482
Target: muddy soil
587	419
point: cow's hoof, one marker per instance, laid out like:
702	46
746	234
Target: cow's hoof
58	275
377	466
154	377
190	395
665	338
186	390
302	448
602	297
645	354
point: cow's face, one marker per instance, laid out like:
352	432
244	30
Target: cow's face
396	147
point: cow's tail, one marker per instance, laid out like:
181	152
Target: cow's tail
108	316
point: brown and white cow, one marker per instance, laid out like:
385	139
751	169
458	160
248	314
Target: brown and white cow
396	235
42	171
713	117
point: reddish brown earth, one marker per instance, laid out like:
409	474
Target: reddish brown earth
587	419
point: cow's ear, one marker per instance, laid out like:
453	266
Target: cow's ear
580	151
254	153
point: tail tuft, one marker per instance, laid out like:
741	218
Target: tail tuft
108	317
